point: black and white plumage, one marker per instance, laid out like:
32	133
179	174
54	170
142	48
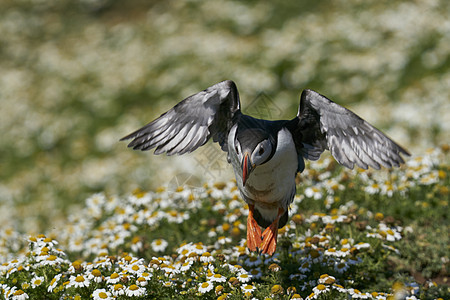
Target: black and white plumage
266	155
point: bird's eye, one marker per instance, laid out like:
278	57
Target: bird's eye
261	150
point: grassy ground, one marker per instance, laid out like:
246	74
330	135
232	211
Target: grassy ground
77	75
358	234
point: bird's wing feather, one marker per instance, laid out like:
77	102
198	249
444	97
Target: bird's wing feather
190	123
322	124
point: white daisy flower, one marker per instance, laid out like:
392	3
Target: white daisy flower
313	192
217	278
222	240
78	281
37	281
356	294
253	261
339	288
117	290
54	283
113	278
134	290
136	268
198	248
319	289
205	287
362	245
102	294
341	267
305	266
19	295
159	245
141	281
146	275
167	283
186	265
206	257
392	248
212	233
327	279
248	288
244	277
95	275
255	273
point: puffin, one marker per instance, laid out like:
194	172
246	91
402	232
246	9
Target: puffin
266	155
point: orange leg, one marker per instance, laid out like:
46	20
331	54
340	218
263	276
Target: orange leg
270	235
253	231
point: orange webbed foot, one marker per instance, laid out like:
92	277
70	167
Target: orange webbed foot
270	235
253	231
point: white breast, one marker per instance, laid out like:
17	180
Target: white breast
271	184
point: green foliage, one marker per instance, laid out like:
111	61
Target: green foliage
350	235
78	75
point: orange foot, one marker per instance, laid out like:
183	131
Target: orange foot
270	235
253	231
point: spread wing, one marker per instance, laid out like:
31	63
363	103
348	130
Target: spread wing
190	123
322	124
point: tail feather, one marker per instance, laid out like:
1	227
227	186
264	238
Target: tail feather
266	223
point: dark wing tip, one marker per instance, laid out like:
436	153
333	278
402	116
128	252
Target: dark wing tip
229	83
127	137
404	151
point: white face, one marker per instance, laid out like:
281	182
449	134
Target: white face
261	152
259	155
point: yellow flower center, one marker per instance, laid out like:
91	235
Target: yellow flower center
103	295
25	285
276	289
128	258
18	293
133	287
314	253
205	285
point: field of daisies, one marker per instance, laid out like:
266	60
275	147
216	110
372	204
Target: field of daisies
352	234
83	217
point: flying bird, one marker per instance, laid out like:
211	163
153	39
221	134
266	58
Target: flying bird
267	155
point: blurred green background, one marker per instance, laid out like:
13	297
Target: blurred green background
76	76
